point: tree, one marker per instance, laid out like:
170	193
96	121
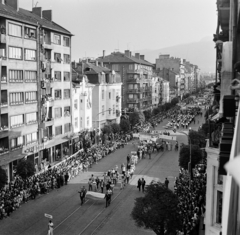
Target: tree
3	178
141	116
25	168
125	125
156	111
157	210
184	156
174	101
134	118
147	114
197	138
106	129
115	128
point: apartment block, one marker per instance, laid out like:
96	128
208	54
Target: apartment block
136	74
35	86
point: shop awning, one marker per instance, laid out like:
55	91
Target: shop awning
54	142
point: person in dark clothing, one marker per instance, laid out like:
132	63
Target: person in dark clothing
66	177
143	184
166	182
139	184
82	194
108	196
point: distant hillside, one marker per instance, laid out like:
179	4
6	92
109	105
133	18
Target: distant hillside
201	53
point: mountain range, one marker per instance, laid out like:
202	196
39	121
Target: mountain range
201	53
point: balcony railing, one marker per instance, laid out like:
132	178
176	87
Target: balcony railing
133	100
135	90
3	104
4	128
133	80
3	150
3	79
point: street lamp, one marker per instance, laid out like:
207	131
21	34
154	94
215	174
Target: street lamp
190	148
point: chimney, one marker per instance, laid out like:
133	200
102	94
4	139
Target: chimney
103	53
96	63
137	55
47	14
101	64
37	11
127	53
12	3
142	57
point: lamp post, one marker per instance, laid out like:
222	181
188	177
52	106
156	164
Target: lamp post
190	161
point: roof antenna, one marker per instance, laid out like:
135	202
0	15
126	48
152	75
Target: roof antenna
36	4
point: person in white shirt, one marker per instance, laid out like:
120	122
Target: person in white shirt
50	227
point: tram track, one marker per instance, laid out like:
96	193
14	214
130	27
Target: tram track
100	217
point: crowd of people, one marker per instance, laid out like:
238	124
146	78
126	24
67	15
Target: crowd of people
20	190
191	205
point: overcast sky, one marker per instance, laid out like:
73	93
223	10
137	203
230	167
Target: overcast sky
130	24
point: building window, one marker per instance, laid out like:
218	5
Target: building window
16	98
66	59
58	112
87	121
15	30
109	111
103	110
30	76
31	138
76	122
16	143
57	57
31	97
219	207
81	104
31	118
66	41
30	54
29	33
115	67
109	95
57	39
67	127
17	121
15	76
58	130
58	94
81	122
75	104
66	93
66	76
131	67
67	111
57	76
102	94
113	109
15	53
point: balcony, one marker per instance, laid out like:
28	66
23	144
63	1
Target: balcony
47	122
138	90
4	145
135	100
137	71
4	122
133	80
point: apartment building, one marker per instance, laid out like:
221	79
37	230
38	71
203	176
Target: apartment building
82	104
35	86
106	93
136	74
156	93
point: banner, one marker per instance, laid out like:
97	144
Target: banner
167	137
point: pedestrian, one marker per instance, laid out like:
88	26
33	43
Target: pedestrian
90	184
139	184
143	184
166	182
108	197
66	177
98	182
50	227
102	185
82	194
127	176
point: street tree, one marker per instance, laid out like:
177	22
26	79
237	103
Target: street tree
106	129
3	178
174	101
134	118
25	168
184	156
115	128
157	210
197	138
147	114
125	125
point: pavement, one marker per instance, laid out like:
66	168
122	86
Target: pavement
70	218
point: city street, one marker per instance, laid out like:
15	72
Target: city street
69	217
